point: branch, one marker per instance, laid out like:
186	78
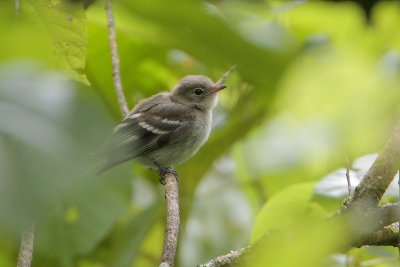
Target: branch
26	248
115	61
370	224
388	214
379	176
361	205
173	220
388	236
229	259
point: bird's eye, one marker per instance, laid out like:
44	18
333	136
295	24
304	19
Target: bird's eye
198	91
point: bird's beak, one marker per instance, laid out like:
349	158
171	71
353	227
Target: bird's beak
217	88
220	84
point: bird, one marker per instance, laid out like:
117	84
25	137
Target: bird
167	128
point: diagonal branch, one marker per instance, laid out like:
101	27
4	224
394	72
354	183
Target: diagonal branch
387	214
115	60
379	176
362	204
229	259
387	236
360	210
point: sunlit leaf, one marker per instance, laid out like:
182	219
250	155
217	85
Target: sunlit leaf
66	24
283	211
301	246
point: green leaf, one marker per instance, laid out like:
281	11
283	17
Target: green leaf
127	238
76	224
65	22
309	244
283	211
45	173
289	224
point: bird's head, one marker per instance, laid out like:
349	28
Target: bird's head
197	90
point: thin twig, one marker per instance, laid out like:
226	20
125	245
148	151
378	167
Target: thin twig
173	220
26	248
348	166
115	60
229	259
226	75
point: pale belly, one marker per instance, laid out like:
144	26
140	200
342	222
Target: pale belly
177	153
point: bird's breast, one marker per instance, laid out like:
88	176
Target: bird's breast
201	129
185	148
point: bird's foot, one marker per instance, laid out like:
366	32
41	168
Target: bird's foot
162	171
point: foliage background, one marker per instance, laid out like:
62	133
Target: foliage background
316	84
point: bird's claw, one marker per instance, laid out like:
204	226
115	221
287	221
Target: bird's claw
162	171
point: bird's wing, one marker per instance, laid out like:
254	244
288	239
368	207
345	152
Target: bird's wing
147	129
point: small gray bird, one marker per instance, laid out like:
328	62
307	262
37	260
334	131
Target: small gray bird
167	128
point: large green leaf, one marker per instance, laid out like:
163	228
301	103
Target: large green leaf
284	210
65	22
309	243
47	131
127	239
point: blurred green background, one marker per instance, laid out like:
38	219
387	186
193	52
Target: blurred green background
316	82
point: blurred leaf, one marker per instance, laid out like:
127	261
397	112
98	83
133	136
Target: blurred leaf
48	134
127	238
5	261
250	183
20	31
201	37
301	246
96	209
314	18
151	248
386	20
283	211
319	120
143	59
284	152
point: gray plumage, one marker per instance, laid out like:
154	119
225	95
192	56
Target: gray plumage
167	128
